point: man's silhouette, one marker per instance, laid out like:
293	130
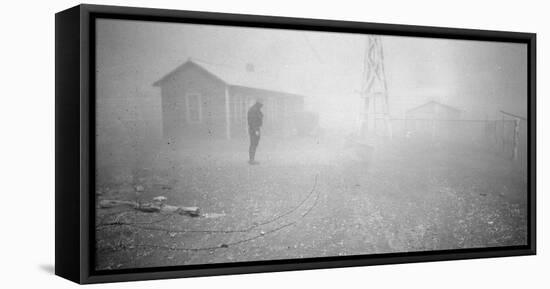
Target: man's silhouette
255	118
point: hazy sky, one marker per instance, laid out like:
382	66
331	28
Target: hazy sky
480	78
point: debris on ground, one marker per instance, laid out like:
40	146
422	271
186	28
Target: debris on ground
153	207
105	204
160	199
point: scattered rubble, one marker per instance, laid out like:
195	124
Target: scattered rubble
157	206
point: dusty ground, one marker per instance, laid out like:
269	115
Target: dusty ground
311	198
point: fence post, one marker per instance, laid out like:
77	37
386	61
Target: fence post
516	138
502	136
227	114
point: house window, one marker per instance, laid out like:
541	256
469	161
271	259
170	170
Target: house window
194	109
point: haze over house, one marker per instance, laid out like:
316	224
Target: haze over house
203	100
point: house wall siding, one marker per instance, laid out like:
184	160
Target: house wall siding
176	123
281	110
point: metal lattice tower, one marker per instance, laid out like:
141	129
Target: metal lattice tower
374	115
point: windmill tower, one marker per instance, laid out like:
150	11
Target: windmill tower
374	117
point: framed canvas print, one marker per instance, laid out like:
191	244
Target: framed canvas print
194	144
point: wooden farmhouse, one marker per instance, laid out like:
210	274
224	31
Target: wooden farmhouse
201	101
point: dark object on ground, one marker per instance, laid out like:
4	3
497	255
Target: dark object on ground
151	207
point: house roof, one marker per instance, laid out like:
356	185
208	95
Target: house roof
235	77
434	103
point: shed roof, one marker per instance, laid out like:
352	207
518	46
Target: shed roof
234	77
434	103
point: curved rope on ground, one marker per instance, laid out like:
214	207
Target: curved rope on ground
246	229
226	245
211	248
119	223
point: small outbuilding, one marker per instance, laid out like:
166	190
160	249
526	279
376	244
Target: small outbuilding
202	100
434	119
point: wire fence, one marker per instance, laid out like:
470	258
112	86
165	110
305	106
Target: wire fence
506	137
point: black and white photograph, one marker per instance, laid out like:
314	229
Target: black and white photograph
275	144
223	144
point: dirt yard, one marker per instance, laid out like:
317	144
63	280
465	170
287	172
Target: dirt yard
309	198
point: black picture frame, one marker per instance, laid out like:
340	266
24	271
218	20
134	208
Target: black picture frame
75	137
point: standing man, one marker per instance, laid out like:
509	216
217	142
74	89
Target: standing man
255	118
